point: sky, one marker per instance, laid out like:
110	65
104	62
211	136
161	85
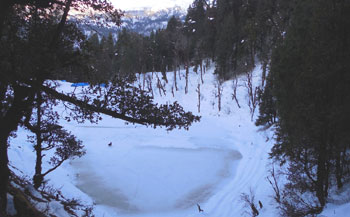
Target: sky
154	4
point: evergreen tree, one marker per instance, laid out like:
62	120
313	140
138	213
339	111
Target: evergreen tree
49	135
174	32
310	84
195	30
130	53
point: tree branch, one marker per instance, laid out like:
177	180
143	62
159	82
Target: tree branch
94	108
53	168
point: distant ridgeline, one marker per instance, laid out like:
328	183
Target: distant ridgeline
145	21
142	21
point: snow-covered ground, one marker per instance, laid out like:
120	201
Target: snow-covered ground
152	172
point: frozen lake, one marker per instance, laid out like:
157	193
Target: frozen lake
152	179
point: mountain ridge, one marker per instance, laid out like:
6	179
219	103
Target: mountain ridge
142	21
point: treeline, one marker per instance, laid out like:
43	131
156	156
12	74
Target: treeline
234	34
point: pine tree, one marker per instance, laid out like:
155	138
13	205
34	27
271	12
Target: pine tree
48	135
309	72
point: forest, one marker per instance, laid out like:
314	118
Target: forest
303	47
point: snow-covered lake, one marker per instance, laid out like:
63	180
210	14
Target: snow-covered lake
155	179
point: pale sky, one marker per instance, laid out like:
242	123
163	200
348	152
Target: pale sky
154	4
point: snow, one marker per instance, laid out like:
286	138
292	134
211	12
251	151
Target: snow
332	210
152	172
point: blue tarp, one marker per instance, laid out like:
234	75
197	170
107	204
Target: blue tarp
81	84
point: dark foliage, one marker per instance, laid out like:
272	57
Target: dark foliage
307	90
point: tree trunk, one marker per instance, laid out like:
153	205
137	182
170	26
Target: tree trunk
199	97
187	72
338	170
38	178
321	175
263	76
219	97
4	170
175	82
164	77
202	71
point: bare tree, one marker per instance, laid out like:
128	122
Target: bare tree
249	201
187	72
218	93
149	85
234	87
252	94
160	86
139	80
172	91
198	90
175	80
144	81
202	71
179	73
273	181
264	72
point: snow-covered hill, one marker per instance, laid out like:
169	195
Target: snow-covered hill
151	172
146	20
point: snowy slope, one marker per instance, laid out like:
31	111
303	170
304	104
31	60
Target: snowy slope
152	172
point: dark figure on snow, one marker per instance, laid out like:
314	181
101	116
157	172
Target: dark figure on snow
199	208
